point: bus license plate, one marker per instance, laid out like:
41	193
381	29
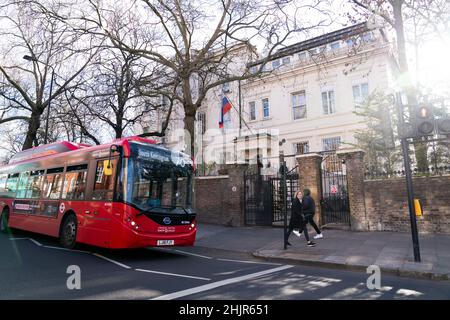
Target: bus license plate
165	242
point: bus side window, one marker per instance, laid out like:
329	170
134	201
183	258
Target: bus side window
3	178
34	185
74	185
52	186
11	184
22	186
104	184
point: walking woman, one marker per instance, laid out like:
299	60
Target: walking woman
296	221
308	211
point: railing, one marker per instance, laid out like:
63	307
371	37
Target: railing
423	172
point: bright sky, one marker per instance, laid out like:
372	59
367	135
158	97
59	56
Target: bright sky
434	64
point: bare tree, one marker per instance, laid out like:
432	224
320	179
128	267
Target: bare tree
194	42
51	46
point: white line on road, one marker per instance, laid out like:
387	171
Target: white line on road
192	254
248	261
217	284
32	240
112	261
35	242
172	274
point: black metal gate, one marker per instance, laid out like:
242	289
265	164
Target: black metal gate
277	195
263	197
258	206
334	202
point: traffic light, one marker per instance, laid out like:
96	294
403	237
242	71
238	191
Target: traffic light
424	123
443	125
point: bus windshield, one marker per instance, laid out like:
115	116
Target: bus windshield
159	185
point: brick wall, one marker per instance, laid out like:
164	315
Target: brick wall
387	206
220	199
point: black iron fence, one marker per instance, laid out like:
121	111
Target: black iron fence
417	172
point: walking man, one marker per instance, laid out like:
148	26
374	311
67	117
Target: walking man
308	211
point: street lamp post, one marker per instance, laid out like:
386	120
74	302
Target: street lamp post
34	59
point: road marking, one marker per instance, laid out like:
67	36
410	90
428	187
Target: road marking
218	284
193	254
112	261
172	274
248	261
32	240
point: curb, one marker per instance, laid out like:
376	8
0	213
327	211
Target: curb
349	267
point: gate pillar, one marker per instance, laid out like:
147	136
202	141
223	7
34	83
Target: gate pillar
310	177
354	161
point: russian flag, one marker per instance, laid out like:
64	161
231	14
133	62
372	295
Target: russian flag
226	107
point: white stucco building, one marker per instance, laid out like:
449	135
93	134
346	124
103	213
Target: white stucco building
307	98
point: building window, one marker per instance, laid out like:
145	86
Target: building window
330	144
201	122
367	37
275	64
252	110
360	93
302	56
265	105
226	87
328	103
301	147
350	42
286	60
335	45
299	105
253	69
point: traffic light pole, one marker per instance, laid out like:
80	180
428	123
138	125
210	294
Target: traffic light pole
409	182
412	211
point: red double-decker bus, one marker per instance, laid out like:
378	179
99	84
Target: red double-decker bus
126	194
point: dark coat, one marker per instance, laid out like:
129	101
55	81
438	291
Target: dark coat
308	206
296	214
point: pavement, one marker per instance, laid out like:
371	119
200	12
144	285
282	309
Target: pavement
392	252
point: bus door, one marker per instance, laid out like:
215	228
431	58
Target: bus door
99	215
50	201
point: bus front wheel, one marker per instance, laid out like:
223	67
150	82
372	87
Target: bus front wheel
68	233
4	221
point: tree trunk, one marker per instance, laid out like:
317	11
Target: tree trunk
33	126
189	126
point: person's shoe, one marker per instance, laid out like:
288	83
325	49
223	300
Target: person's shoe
318	236
310	244
288	243
298	234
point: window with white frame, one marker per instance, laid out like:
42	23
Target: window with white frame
302	56
201	122
226	87
275	64
286	60
360	93
335	45
330	144
252	110
299	105
328	102
265	107
301	147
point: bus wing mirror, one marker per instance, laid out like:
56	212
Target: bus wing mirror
107	168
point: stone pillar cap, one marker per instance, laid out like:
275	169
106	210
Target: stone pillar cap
307	155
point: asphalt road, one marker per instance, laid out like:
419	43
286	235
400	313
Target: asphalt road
35	267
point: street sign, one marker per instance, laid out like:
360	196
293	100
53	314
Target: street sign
334	189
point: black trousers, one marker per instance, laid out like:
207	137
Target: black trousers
310	220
